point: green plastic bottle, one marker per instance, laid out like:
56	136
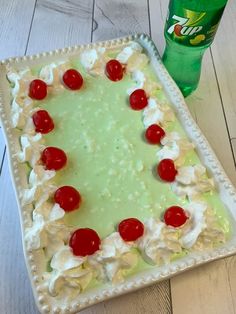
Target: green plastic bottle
190	29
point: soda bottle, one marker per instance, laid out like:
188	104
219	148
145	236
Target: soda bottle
190	29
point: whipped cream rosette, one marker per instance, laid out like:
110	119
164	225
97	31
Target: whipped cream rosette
52	74
22	104
20	81
175	147
40	186
191	182
202	229
142	82
159	242
68	271
32	146
157	113
114	258
21	108
94	61
133	57
48	230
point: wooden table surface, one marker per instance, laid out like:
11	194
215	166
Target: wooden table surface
31	26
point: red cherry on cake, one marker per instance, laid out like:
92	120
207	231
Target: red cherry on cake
84	241
175	216
114	70
131	229
68	198
154	134
166	170
42	121
37	89
138	99
73	79
53	158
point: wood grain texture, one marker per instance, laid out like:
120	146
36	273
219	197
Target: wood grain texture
15	21
119	18
207	109
204	290
223	51
151	300
58	24
230	264
158	11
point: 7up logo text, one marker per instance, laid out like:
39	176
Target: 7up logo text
181	27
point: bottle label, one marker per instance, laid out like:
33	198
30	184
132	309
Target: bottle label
192	28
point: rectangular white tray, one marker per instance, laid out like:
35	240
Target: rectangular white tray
227	192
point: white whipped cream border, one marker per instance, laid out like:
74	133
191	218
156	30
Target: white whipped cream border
46	217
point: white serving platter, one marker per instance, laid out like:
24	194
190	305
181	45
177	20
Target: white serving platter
49	304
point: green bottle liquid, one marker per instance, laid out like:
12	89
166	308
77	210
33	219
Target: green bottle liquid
190	29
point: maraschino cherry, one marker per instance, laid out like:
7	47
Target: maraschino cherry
42	121
53	158
130	229
68	198
175	216
166	170
37	89
154	134
84	241
73	79
114	70
138	99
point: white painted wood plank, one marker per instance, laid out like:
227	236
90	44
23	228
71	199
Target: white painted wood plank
119	18
204	290
59	23
15	21
223	50
206	107
231	276
151	300
158	10
15	290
